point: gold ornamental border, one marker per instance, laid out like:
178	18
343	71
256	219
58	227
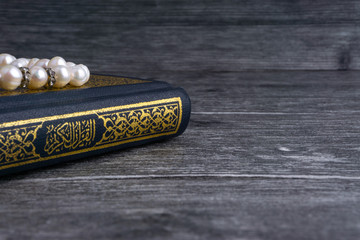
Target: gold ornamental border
92	112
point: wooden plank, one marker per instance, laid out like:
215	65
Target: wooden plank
270	91
182	12
130	50
180	208
131	37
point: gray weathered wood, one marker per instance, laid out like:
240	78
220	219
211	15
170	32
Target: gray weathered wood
267	154
180	208
245	172
132	36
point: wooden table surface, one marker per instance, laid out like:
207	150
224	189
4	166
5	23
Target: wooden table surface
272	149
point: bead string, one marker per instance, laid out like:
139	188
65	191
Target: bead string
36	73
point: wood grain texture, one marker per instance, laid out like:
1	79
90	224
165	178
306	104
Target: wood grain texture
267	154
132	36
275	172
181	208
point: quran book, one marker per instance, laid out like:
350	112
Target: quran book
48	126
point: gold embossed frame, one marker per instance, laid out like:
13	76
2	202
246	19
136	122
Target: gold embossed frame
42	139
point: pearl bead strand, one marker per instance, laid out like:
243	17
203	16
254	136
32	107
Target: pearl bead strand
36	73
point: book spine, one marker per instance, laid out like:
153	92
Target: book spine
100	126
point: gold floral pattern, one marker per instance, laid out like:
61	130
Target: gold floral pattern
140	122
18	144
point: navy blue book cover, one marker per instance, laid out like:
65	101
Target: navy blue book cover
45	127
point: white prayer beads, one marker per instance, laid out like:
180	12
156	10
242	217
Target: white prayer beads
36	73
